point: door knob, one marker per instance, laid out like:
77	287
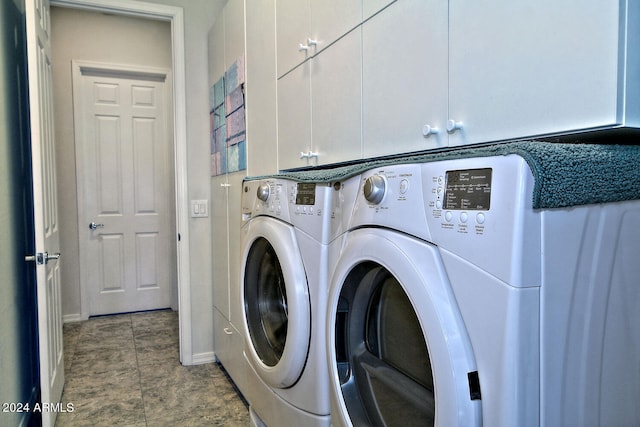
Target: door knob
93	226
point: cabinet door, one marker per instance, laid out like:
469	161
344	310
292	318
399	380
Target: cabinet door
261	92
371	7
336	101
405	78
294	118
528	68
293	22
331	19
220	247
235	256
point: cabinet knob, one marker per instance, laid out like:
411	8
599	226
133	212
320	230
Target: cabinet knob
429	130
312	42
303	47
453	126
308	155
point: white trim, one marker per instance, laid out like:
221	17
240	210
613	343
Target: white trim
203	358
176	16
70	318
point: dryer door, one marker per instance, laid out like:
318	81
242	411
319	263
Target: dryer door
399	353
276	302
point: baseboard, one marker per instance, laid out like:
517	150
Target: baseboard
202	358
69	318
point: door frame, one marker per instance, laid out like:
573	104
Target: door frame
175	15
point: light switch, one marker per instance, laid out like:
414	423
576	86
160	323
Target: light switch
199	208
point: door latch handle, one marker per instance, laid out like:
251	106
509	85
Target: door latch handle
93	226
42	258
48	256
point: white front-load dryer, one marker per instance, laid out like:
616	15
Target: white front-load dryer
454	302
284	290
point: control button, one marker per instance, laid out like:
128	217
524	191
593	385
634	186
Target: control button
440	190
374	189
440	180
439	204
480	218
263	192
464	217
404	186
448	216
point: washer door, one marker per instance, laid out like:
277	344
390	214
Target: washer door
399	354
276	302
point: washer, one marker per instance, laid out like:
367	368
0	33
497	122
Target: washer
285	236
454	303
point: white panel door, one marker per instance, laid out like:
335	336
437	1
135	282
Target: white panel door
45	206
124	189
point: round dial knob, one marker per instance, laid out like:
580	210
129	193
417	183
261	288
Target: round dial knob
263	192
374	189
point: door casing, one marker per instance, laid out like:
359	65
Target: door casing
175	15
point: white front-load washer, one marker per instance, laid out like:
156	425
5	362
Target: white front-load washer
285	236
455	303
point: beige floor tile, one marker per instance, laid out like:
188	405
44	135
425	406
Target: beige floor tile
124	370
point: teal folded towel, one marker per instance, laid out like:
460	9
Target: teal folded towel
565	174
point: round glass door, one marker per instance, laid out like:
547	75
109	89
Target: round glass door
265	299
383	361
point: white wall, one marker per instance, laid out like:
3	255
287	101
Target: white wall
198	18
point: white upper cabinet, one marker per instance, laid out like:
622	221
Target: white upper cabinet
293	28
336	101
404	78
306	27
319	68
319	107
438	73
519	69
371	7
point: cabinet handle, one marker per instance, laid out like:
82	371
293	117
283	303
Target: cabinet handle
308	155
303	47
225	184
453	126
312	42
429	130
228	331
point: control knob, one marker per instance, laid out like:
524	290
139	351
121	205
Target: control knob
374	189
263	192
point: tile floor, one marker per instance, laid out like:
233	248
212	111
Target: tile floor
124	370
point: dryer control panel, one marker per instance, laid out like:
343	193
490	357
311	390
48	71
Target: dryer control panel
392	197
305	205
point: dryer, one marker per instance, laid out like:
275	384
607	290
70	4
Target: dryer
286	230
454	303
